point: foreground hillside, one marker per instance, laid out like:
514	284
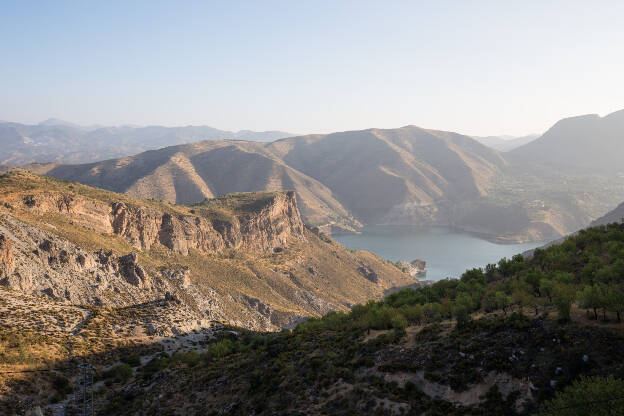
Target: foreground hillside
377	176
522	336
246	259
499	341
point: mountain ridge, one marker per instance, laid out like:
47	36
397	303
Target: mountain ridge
404	176
580	143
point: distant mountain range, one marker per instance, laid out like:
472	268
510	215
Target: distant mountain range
56	140
549	187
407	175
505	143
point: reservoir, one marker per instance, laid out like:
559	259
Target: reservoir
448	252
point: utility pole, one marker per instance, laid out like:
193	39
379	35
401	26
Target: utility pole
84	392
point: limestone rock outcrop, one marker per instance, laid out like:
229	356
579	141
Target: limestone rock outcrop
6	256
244	258
368	273
271	226
133	272
415	268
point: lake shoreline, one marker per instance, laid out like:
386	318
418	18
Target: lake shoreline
476	233
448	250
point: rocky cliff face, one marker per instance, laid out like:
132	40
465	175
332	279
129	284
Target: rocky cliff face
6	256
246	258
271	226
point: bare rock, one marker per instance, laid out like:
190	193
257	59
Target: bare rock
415	268
172	298
7	265
85	261
48	246
133	272
49	292
368	273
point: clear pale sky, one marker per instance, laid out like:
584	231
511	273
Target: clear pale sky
475	67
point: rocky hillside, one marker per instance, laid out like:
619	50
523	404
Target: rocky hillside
504	340
244	258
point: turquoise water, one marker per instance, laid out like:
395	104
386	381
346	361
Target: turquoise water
448	252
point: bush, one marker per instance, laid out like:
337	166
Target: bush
133	360
221	348
61	385
119	373
563	297
190	358
399	322
596	396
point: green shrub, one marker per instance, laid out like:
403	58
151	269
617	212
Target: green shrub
133	360
119	373
595	396
221	348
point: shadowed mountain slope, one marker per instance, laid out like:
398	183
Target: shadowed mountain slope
393	175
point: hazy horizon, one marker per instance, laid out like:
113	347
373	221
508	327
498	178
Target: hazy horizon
480	69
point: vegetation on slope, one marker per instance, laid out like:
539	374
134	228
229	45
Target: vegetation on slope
514	337
478	335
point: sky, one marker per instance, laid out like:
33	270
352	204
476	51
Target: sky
474	67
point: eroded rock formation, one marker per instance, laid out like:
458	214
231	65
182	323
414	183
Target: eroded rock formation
271	226
6	256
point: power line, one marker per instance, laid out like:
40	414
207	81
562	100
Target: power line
35	371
